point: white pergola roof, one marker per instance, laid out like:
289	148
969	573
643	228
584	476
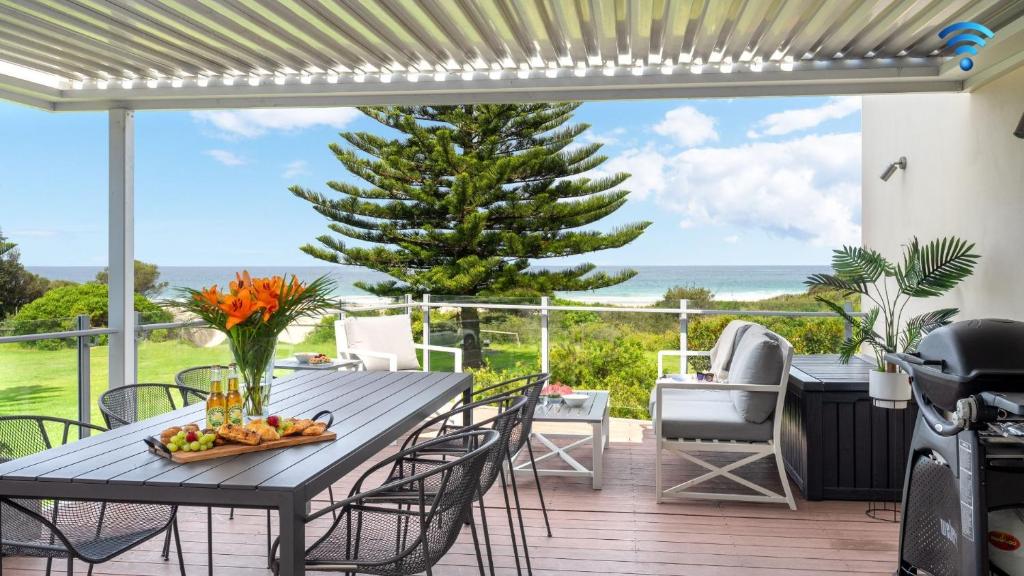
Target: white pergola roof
165	54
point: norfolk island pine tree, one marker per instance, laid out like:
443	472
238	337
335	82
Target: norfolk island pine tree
463	198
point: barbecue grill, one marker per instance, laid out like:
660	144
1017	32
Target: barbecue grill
963	498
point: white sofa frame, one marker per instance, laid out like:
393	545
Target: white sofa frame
344	351
687	448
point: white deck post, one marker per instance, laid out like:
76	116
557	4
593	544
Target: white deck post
684	329
544	360
121	247
426	332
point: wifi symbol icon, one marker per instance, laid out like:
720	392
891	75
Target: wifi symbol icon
966	40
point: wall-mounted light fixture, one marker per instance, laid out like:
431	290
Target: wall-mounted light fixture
1019	132
900	164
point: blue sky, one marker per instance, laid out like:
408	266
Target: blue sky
743	181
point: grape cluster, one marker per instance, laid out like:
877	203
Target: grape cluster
191	441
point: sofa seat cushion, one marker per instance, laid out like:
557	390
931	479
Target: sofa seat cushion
706	414
391	334
756	360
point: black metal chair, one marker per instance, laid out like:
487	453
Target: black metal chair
134	402
93	532
394	537
530	387
197	377
509	416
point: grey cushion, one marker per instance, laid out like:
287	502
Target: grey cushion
756	360
391	334
721	354
708	415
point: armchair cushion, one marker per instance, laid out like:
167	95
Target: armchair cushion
706	414
383	334
756	360
724	349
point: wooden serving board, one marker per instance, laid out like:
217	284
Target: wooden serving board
236	449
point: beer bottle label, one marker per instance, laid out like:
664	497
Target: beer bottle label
214	417
235	415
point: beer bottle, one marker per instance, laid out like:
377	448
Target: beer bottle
234	399
216	404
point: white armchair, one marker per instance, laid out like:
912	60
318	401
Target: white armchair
384	343
742	414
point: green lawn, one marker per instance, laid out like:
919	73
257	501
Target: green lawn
44	382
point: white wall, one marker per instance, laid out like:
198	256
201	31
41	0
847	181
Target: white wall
965	177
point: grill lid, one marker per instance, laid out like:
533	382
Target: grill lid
974	347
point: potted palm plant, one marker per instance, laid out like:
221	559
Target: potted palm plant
926	271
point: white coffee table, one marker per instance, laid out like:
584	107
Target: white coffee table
293	364
594	412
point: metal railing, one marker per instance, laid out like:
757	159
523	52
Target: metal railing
86	336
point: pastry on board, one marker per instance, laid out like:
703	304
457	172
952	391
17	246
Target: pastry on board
238	434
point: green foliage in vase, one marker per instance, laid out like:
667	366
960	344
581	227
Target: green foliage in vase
925	271
252	314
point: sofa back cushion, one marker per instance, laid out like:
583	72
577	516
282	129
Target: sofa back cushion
725	346
392	334
758	359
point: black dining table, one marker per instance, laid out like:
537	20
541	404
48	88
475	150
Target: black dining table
371	410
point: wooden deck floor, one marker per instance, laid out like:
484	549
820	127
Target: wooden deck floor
617	530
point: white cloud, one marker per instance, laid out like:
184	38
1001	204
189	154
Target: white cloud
607	138
256	122
226	157
806	188
732	239
687	126
293	169
788	121
646	166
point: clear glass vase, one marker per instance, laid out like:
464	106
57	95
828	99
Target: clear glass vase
254	357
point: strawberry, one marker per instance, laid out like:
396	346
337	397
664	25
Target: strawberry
273	421
192	436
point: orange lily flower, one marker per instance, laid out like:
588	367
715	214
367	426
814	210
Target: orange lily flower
297	287
238	307
242	282
209	296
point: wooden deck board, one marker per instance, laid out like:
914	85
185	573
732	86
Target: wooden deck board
617	530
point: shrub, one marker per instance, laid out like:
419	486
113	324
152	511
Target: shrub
56	310
621	366
323	333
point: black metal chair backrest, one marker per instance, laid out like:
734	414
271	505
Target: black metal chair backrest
131	403
528	386
509	414
22	436
197	377
412	537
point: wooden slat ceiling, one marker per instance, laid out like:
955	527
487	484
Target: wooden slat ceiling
90	44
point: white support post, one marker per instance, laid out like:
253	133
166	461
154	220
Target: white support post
684	327
544	361
426	332
121	247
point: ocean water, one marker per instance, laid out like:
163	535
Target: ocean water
650	283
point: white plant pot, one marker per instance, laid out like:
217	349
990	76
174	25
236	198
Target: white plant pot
889	389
